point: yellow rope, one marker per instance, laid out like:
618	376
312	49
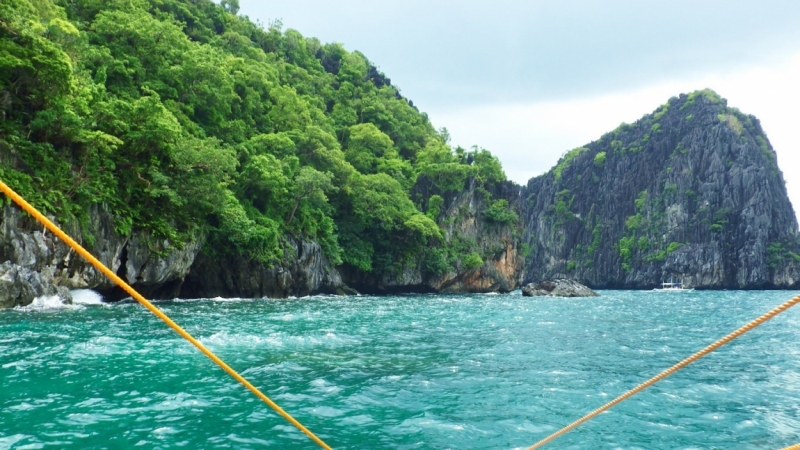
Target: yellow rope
774	312
792	447
107	272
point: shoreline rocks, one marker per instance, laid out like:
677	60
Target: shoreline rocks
20	286
558	288
39	262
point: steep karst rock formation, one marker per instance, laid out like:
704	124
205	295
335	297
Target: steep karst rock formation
691	192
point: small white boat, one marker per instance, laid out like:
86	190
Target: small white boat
672	287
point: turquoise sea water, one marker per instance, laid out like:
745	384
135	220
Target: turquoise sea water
405	372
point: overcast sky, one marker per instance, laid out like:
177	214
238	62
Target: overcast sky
530	79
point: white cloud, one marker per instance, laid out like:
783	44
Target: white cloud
530	137
463	52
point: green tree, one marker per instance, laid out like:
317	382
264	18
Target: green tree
232	6
499	212
600	159
366	145
487	167
310	185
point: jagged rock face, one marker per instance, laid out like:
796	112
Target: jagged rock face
304	271
19	286
499	243
461	217
691	192
38	263
24	243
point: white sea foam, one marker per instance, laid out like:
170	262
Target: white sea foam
80	298
9	441
230	299
201	300
47	302
86	297
44	302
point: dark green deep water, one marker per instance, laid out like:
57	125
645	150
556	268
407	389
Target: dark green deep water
407	372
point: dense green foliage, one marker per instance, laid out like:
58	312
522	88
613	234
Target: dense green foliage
183	118
779	255
641	230
600	159
499	212
566	160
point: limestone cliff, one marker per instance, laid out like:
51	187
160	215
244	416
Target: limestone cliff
691	192
26	247
36	263
303	271
306	271
469	230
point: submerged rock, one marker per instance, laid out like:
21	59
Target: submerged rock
557	288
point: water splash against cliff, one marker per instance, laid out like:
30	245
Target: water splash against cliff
86	297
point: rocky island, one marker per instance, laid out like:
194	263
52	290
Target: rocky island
691	192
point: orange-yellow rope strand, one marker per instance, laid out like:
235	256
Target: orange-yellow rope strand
754	323
121	283
792	447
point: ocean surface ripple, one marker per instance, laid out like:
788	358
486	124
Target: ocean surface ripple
402	372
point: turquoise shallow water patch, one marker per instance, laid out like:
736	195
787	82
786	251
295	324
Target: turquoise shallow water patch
405	372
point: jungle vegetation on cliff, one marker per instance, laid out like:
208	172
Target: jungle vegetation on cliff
185	119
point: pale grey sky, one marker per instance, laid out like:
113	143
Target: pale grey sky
531	79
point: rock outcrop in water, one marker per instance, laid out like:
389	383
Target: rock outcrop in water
277	147
691	192
557	288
